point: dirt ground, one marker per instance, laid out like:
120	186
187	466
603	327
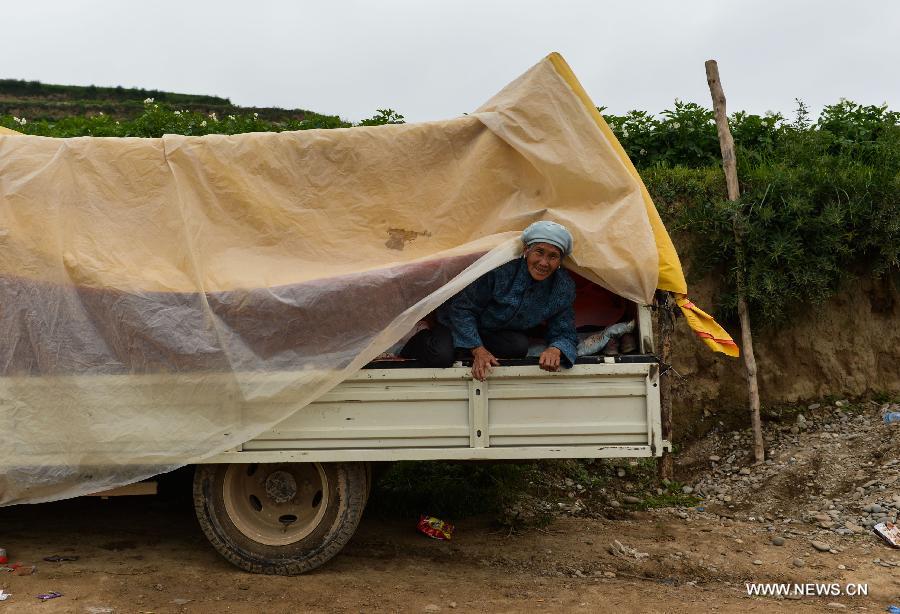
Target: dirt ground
148	555
830	474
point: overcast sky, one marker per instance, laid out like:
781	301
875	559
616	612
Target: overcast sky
435	60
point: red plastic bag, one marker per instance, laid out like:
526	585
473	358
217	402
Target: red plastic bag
435	528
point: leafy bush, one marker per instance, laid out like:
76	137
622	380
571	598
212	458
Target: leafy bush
685	135
382	117
158	119
818	200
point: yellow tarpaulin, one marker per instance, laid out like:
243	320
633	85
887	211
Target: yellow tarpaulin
706	328
163	300
671	276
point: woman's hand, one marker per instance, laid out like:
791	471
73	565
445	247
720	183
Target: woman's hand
550	359
483	363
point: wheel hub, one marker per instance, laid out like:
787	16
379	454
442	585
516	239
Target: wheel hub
281	486
276	504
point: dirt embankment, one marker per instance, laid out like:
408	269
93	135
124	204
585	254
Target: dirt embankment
846	347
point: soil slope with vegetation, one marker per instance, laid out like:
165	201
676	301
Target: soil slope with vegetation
35	100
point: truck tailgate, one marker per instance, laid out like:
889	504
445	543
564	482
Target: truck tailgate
596	410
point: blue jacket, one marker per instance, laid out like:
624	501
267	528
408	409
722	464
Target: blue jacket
508	298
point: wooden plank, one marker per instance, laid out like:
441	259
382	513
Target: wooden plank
137	489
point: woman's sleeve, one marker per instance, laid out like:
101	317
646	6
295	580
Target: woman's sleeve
561	328
466	307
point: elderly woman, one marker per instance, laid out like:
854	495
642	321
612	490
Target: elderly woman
490	318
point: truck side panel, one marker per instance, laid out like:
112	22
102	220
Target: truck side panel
587	411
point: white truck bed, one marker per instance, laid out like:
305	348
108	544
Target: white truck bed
588	411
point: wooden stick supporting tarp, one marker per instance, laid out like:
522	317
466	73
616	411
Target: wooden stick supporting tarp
729	164
666	326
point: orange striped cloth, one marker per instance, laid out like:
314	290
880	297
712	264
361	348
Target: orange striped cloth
707	328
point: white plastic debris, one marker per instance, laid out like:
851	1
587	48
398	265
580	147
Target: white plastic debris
595	342
889	532
617	548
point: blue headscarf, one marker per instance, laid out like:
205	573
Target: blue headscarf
549	232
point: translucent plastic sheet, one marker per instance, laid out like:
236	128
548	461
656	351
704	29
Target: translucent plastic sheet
164	300
151	381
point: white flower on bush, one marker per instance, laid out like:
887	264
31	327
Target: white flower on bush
231	117
203	124
676	125
20	120
213	117
643	152
177	112
255	115
148	101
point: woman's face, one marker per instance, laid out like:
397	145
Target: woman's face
542	260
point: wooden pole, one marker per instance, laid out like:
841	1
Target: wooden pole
666	326
726	142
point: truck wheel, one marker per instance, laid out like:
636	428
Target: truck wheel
280	518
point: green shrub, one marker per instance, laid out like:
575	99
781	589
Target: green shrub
817	202
158	119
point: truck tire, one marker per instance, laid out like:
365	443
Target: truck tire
280	518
